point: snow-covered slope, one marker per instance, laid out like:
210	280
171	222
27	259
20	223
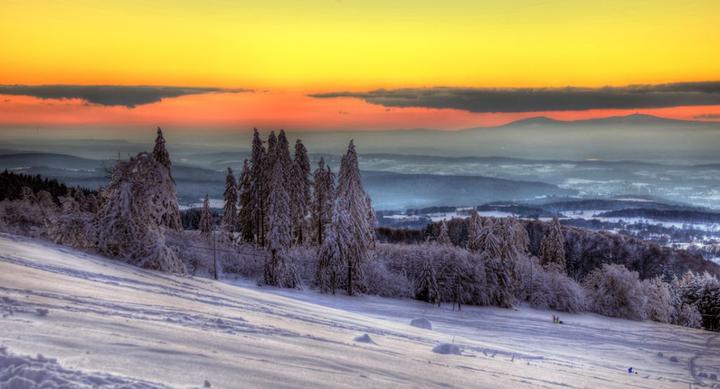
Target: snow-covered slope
104	321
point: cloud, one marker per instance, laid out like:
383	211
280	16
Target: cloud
128	96
542	99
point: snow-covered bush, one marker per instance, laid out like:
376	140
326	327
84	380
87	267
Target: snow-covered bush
613	290
72	226
378	280
30	215
546	288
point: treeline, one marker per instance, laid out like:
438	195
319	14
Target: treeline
12	184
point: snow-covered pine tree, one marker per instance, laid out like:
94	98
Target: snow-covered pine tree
129	223
443	238
206	223
160	153
230	196
277	271
552	247
474	228
258	187
330	265
355	231
322	202
300	191
246	223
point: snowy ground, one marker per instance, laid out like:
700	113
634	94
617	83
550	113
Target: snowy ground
107	322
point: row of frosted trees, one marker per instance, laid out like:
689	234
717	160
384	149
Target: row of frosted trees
278	203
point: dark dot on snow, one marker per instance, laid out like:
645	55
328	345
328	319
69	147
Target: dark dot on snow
207	384
702	375
42	312
713	377
659	354
673	359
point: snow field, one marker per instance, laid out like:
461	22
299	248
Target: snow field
102	317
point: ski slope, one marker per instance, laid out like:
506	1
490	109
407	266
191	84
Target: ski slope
95	320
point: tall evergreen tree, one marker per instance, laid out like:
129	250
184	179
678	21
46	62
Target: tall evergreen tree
246	220
322	201
354	227
258	187
160	153
552	247
205	225
229	220
300	179
330	265
280	232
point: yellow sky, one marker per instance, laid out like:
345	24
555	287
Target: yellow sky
358	44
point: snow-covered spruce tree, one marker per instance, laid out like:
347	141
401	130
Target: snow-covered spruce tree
322	201
130	221
246	223
476	231
258	188
355	231
206	223
160	153
443	238
230	196
330	265
277	271
552	247
300	192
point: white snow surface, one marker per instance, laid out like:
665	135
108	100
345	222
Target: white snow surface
101	319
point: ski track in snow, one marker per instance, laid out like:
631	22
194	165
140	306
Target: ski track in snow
98	315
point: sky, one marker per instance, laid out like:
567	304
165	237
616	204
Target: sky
353	65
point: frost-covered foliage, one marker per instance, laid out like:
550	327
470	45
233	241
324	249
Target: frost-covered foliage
254	192
379	280
353	219
246	211
451	274
552	247
160	152
545	289
72	226
278	270
230	197
322	200
615	291
703	293
659	300
300	192
29	215
206	223
139	201
330	263
443	238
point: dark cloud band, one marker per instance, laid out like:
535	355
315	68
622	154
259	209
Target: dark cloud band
128	96
542	99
